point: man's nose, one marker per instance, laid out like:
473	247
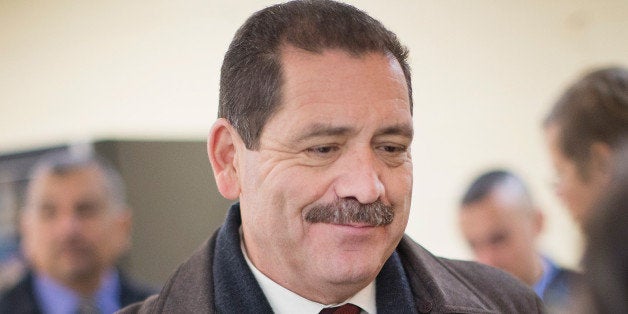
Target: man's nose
559	187
69	224
359	177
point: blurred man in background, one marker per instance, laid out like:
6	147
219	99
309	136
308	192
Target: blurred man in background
74	227
584	130
501	223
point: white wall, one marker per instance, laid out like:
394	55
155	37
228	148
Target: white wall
485	72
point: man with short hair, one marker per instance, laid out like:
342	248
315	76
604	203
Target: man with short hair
74	227
313	138
501	223
584	130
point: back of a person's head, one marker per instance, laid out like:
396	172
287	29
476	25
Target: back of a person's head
250	85
593	109
606	255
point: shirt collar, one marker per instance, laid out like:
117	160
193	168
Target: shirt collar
549	272
283	300
55	298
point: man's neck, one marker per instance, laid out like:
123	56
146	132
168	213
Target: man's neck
63	298
283	300
86	287
331	294
538	270
83	285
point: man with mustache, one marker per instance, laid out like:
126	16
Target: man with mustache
74	227
313	138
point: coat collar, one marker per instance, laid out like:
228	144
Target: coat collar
190	287
237	290
438	288
435	287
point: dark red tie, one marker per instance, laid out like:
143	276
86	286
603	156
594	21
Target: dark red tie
345	309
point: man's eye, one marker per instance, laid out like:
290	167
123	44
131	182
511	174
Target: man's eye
86	209
47	211
393	154
393	148
322	150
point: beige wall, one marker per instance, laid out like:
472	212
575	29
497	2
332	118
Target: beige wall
484	72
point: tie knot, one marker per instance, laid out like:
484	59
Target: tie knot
345	309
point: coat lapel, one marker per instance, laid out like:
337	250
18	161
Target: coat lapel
236	289
439	290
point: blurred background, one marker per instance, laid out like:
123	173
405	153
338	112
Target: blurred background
138	80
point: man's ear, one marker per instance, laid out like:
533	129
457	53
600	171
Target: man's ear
26	218
538	220
221	150
124	223
601	161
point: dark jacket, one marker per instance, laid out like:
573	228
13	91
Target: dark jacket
20	299
216	279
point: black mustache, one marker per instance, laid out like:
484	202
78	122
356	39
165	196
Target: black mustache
350	210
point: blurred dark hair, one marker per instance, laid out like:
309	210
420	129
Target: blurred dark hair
63	162
485	183
593	109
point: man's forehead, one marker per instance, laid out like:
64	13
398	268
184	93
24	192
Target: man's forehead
312	104
84	179
486	210
61	170
333	76
289	55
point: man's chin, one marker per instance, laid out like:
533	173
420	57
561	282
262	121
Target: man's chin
80	275
77	271
353	270
355	280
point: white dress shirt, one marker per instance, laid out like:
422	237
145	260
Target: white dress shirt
284	301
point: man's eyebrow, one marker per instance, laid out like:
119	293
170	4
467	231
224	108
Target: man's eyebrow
402	129
320	130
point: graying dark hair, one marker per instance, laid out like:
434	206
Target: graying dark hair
251	80
483	185
64	162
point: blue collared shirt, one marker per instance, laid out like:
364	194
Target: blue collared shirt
549	272
54	298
